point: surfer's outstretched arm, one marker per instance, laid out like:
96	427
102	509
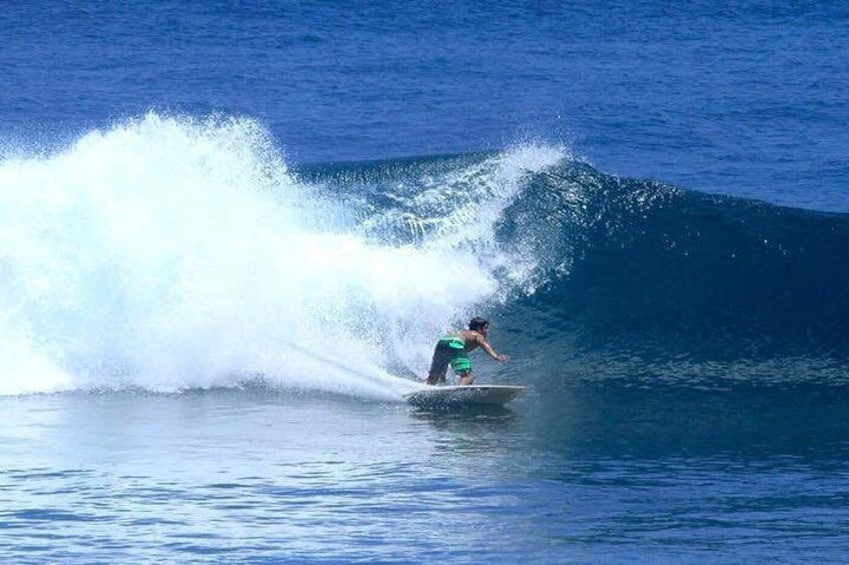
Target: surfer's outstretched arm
484	344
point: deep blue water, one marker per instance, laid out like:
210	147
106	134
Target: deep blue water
229	234
736	98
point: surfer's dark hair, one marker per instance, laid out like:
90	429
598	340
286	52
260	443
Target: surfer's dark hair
478	323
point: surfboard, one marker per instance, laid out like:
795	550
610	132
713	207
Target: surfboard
469	395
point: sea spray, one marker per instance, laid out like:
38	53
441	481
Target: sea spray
168	253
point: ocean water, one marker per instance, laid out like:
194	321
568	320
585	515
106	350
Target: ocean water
231	232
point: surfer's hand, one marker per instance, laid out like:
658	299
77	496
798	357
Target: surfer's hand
502	358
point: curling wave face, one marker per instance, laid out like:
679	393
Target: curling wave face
171	253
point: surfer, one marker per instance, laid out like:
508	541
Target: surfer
453	349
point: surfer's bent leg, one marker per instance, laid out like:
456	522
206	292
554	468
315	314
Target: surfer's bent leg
466	378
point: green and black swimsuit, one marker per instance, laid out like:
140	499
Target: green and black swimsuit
450	350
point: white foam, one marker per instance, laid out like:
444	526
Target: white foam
169	253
